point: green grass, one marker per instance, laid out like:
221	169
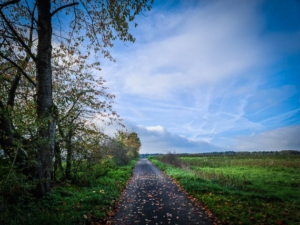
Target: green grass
70	204
243	189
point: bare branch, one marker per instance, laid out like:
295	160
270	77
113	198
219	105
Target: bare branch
17	36
9	3
32	13
62	7
19	68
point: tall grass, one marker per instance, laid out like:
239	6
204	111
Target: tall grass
243	189
274	176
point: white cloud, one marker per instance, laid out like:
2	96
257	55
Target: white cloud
286	138
158	129
210	44
157	139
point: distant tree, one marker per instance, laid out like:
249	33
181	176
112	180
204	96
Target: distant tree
134	143
131	141
113	148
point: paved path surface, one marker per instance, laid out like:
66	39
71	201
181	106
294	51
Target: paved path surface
152	198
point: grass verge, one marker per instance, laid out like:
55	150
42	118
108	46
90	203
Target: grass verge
70	204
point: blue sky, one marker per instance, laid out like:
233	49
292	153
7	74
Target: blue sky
208	76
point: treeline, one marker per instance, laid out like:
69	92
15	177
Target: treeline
51	94
282	152
118	150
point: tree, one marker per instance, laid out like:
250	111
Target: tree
79	95
131	141
29	31
113	148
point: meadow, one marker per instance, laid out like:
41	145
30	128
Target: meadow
241	188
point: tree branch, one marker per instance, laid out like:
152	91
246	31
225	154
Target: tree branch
19	68
32	13
62	7
9	3
12	91
17	36
79	95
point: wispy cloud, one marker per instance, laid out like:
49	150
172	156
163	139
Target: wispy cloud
210	44
282	116
285	138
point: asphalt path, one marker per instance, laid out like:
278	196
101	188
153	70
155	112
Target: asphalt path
153	198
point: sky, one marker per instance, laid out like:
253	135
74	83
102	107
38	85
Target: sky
206	76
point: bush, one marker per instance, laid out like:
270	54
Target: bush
89	173
172	159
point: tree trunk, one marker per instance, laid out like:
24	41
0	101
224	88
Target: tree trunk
69	155
45	107
9	141
57	162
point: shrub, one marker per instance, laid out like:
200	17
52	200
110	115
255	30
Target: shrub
172	159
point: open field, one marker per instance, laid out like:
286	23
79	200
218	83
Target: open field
242	189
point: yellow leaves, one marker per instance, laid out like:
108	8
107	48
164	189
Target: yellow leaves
96	64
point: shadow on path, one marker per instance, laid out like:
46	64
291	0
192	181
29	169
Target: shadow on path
152	198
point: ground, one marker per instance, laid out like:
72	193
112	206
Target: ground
153	198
